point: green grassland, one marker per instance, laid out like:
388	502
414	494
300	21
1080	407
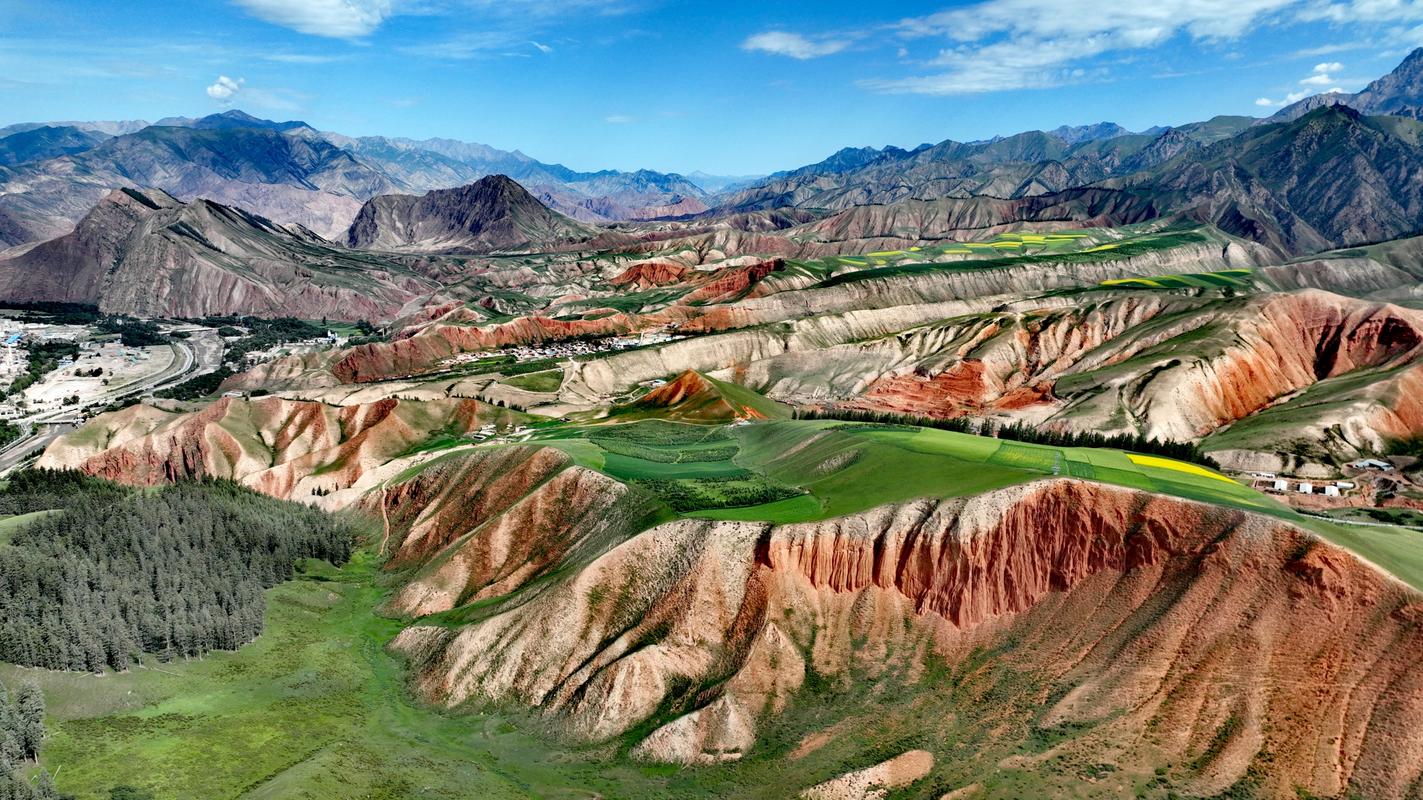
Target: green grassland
316	708
1013	249
1229	278
545	381
836	468
813	470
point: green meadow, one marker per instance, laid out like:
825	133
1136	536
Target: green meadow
317	707
1229	278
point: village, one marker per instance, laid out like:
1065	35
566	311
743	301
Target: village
568	349
91	367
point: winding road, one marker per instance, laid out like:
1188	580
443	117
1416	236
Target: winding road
199	354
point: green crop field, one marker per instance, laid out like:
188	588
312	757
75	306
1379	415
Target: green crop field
812	470
1015	249
1232	278
841	468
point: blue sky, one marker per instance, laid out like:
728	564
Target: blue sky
730	88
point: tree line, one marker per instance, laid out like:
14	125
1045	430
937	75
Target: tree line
116	573
21	732
1020	432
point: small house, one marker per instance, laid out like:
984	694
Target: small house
1372	463
1331	491
1305	487
1282	485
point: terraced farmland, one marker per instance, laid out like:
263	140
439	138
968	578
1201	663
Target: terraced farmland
1233	278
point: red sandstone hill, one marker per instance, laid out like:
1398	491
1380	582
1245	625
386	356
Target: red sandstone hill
692	396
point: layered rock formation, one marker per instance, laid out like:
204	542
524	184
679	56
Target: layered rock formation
1175	607
298	450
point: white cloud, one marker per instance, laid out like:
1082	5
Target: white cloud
1325	74
793	45
542	48
618	119
340	19
481	44
995	45
224	88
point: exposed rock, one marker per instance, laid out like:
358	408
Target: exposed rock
646	274
146	253
1168	599
873	783
493	214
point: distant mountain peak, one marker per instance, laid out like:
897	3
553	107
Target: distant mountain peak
1399	93
493	214
1076	134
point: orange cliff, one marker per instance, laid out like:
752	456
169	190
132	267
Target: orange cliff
1145	614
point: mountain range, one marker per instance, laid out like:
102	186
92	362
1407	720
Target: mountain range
1015	468
50	175
1330	172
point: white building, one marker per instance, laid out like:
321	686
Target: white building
1372	463
1331	491
1305	487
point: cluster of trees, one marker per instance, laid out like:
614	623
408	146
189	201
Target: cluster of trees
42	358
201	386
119	572
1020	432
9	432
261	333
21	732
132	332
56	312
720	491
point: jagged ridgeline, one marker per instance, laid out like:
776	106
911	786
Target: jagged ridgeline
94	575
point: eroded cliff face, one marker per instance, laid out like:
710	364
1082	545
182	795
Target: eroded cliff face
1153	629
1170	367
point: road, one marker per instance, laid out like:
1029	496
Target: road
199	354
39	438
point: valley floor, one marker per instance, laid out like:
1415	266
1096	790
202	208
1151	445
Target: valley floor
316	708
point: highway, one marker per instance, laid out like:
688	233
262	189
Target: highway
199	354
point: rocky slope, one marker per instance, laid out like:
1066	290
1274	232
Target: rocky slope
493	214
299	450
143	252
1331	178
1399	93
266	171
705	632
48	141
1052	627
